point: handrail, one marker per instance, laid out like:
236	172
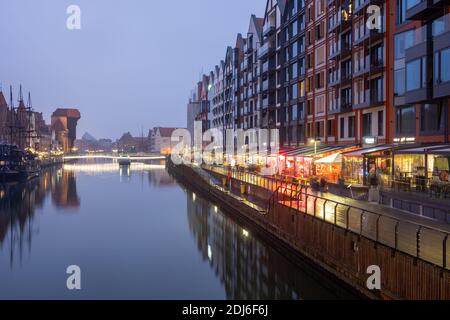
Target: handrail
418	236
297	192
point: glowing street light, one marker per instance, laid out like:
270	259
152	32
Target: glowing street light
315	142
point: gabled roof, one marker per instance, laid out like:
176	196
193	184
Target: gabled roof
2	100
166	132
282	4
256	26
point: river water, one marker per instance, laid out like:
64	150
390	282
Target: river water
135	233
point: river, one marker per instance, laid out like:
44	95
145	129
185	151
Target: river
136	233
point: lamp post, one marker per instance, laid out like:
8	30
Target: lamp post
315	142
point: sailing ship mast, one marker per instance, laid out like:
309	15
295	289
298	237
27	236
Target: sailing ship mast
11	113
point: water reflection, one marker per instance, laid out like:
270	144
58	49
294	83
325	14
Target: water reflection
135	226
64	190
19	202
248	267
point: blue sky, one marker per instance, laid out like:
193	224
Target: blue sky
131	66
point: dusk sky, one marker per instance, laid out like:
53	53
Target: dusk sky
131	66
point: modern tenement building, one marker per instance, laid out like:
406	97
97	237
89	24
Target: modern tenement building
421	75
337	72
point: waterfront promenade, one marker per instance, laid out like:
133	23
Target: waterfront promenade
342	235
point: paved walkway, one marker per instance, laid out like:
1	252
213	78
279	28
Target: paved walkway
415	235
386	211
364	205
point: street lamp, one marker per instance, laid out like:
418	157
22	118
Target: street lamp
315	142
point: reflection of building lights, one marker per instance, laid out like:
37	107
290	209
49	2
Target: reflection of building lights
2	194
209	252
194	196
245	233
216	209
110	167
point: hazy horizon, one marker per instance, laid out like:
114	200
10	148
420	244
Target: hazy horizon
130	67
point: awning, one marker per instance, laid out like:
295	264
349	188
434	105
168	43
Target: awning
363	152
310	151
430	149
333	159
445	151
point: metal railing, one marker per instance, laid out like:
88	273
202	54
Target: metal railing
422	242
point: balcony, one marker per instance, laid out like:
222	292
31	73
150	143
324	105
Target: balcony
359	5
346	77
267	85
369	65
268	120
244	65
369	98
267	103
419	57
335	50
419	9
335	21
334	78
369	36
269	29
265	50
266	67
346	105
334	106
248	47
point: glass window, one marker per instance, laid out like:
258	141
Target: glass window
445	65
294	90
431	118
380	123
367	125
399	82
412	3
294	113
351	127
401	11
406	120
294	71
403	41
413	72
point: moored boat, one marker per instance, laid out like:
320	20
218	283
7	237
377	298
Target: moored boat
17	164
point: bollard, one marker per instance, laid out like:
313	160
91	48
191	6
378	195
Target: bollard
243	189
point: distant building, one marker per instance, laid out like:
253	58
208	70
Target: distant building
64	127
160	140
128	143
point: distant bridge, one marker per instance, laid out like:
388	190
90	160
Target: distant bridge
114	157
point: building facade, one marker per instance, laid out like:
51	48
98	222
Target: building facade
339	73
421	59
161	140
